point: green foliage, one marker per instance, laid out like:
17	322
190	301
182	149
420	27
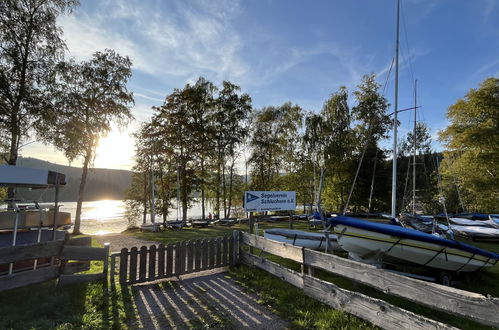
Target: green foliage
30	46
89	97
471	161
274	144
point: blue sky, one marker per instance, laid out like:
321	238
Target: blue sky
278	51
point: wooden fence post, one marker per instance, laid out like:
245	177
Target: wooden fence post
169	260
123	265
133	264
152	263
197	255
143	264
235	252
225	248
161	260
204	250
113	267
106	260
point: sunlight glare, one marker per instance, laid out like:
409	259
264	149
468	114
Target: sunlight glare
115	150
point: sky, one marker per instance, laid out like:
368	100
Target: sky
282	50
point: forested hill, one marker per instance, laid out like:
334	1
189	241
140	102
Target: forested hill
102	183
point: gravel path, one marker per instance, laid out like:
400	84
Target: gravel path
119	241
211	301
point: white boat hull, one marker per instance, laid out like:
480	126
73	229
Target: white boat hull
314	241
366	244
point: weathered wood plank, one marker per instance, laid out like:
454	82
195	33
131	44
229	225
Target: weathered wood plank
177	258
169	260
451	300
105	266
279	249
80	241
197	255
231	250
189	254
152	263
76	267
83	253
161	260
113	267
183	249
30	251
70	279
275	269
235	253
219	252
133	264
225	251
142	264
123	265
376	311
210	247
204	257
21	279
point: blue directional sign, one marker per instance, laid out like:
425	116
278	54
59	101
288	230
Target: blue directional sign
256	201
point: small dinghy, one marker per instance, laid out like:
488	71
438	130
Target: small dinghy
379	243
315	241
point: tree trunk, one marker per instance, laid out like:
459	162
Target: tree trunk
144	201
217	190
224	190
86	161
231	177
203	177
183	191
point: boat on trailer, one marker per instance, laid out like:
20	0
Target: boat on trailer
378	243
28	223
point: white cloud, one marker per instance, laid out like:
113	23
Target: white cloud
196	38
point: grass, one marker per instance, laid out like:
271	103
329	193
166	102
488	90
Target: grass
485	282
77	306
290	303
97	306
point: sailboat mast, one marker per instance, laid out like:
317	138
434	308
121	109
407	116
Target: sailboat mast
414	152
395	119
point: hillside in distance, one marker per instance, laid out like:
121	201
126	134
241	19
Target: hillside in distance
102	183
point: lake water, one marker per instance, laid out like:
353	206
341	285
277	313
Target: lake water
108	216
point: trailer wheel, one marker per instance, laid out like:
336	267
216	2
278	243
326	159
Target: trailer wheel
445	279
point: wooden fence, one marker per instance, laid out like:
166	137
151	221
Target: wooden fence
144	264
465	304
50	260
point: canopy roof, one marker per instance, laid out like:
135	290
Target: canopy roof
16	176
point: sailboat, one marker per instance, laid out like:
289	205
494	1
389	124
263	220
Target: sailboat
379	243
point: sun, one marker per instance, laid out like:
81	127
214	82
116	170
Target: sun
115	150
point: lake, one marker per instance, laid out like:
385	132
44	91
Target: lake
108	216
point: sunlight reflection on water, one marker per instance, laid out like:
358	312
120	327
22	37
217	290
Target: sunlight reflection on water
108	216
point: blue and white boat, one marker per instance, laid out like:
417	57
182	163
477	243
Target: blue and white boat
379	243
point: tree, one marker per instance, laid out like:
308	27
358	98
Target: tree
30	46
472	141
228	121
373	124
90	96
336	147
273	144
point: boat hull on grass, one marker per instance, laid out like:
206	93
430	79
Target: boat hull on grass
314	241
393	244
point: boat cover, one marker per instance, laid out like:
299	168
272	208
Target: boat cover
16	176
410	234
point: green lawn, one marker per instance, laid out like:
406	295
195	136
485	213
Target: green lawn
99	306
485	282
